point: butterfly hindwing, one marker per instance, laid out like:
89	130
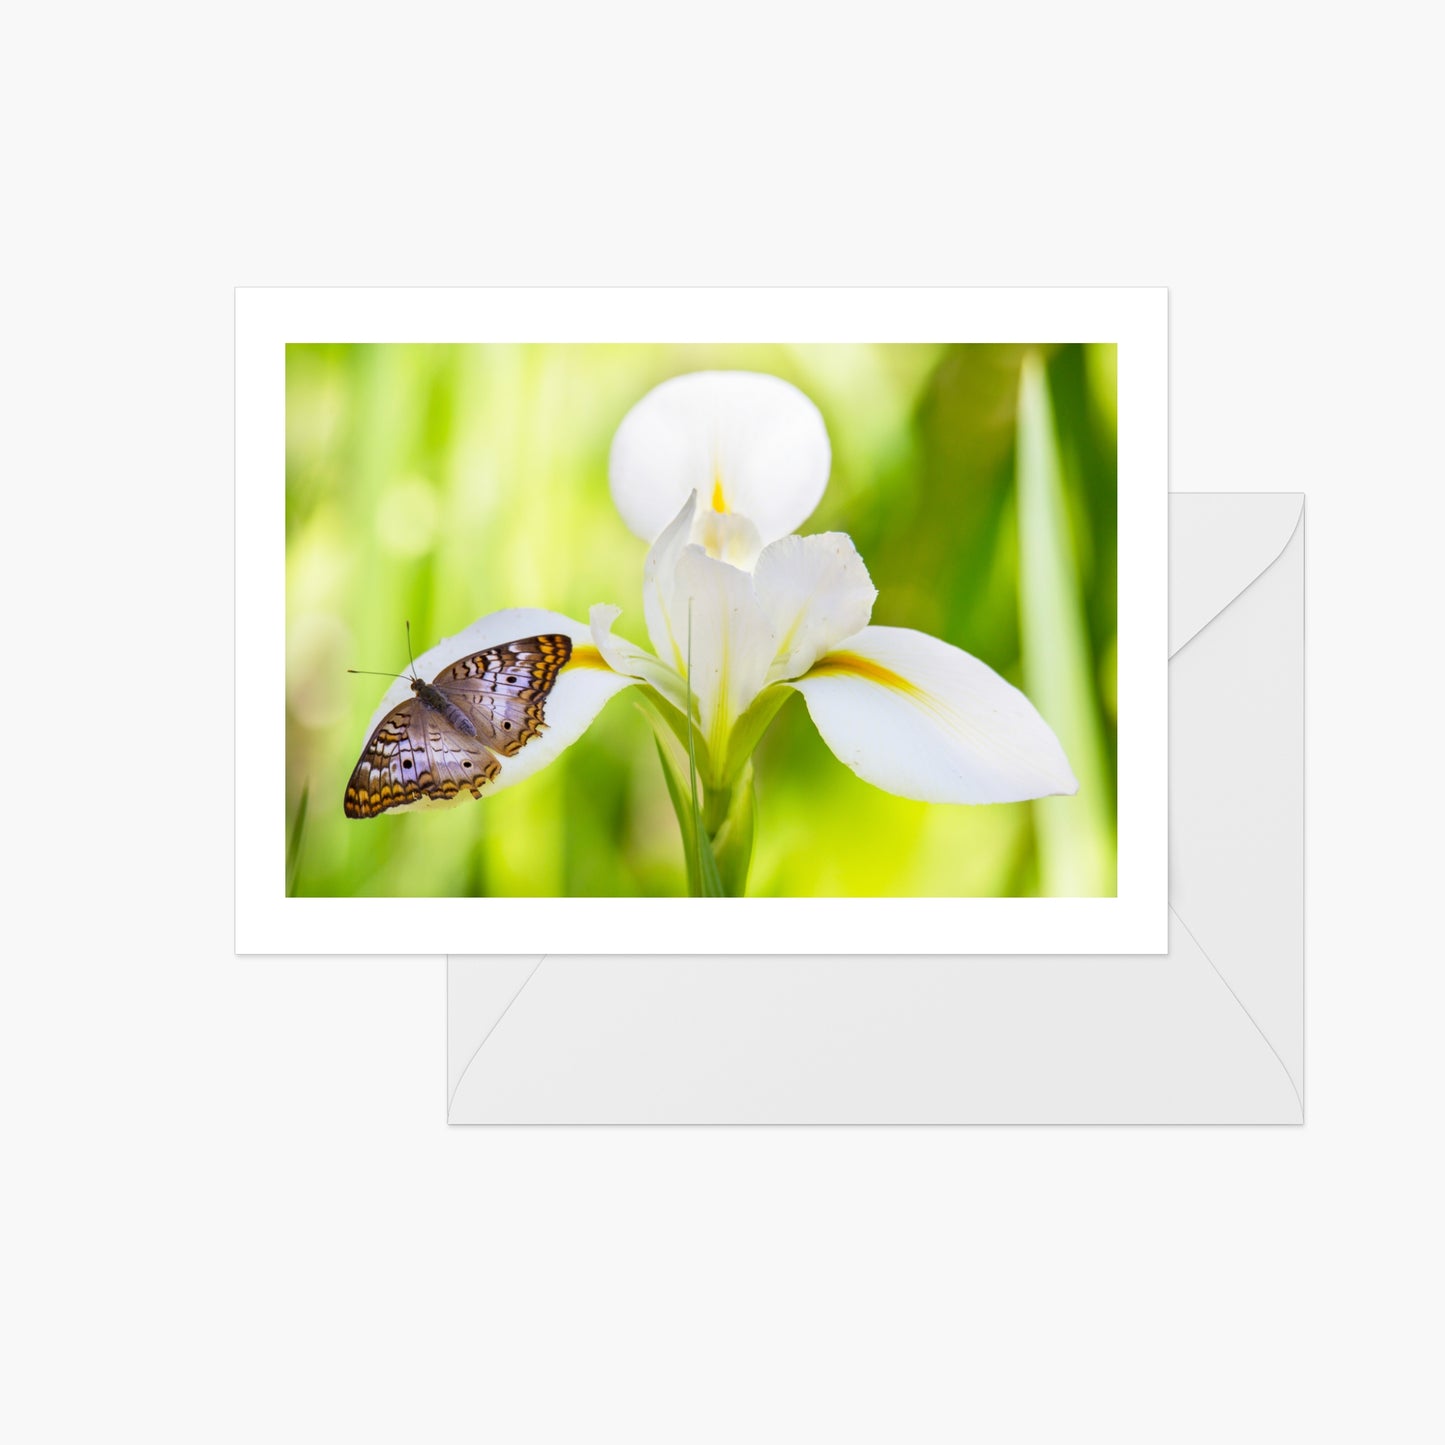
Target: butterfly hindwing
504	689
414	754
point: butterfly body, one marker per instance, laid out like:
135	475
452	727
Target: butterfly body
450	735
436	700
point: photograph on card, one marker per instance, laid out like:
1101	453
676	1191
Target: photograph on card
819	620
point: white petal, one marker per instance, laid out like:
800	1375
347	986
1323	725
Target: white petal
746	442
658	575
732	644
582	688
922	719
728	536
815	591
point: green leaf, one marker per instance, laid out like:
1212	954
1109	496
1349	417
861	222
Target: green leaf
750	727
678	725
677	791
733	842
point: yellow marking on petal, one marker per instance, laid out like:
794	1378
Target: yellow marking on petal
719	502
851	664
588	657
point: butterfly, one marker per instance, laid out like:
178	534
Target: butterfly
446	738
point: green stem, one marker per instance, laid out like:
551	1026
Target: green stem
718	820
732	839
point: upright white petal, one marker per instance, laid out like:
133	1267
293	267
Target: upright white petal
728	536
658	574
732	643
815	591
746	442
917	717
582	688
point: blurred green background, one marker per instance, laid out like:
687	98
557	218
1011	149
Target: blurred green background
439	483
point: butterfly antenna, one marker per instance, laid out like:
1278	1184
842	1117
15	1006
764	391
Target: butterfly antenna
367	672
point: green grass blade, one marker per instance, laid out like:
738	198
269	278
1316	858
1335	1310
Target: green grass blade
293	843
1076	835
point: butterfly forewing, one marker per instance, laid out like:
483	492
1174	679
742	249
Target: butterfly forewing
415	752
504	689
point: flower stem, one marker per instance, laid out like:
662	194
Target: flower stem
732	838
717	821
708	875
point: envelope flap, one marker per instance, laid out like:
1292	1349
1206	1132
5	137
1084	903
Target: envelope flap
857	1040
1236	800
477	1001
1219	543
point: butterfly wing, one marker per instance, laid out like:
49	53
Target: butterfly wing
503	689
414	754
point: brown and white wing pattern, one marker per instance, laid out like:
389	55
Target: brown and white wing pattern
503	689
414	754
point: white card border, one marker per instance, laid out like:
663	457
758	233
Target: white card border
1135	921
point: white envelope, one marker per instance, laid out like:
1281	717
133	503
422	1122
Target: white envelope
1211	1032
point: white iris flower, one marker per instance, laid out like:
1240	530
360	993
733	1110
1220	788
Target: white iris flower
716	470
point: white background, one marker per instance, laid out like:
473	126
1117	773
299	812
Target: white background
233	1210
